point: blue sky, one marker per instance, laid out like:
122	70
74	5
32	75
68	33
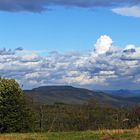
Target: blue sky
66	29
85	43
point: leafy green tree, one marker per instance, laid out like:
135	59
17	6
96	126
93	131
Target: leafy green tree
15	115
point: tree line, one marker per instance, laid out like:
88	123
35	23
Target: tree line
19	113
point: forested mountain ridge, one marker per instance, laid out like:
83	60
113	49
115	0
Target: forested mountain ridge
72	95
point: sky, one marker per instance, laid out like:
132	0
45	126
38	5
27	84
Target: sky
86	43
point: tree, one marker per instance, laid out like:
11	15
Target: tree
15	115
134	117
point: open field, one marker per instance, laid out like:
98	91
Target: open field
89	135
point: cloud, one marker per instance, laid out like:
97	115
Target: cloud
130	47
42	5
106	67
103	44
5	51
19	49
133	11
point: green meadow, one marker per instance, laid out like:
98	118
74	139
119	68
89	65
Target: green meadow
133	134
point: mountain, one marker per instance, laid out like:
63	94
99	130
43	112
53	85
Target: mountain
72	95
124	92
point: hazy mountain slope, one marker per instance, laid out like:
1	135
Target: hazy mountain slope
72	95
124	93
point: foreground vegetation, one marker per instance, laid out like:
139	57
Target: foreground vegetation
15	115
86	135
21	114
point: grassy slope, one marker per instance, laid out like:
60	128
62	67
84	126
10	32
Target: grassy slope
89	135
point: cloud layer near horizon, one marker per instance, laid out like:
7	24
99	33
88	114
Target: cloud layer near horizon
41	5
106	66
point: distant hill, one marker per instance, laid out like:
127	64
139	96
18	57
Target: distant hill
72	95
124	92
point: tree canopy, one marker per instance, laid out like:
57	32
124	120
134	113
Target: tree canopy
15	115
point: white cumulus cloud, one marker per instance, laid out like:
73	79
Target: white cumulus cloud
103	44
133	11
106	66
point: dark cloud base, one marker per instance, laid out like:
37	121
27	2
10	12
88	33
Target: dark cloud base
41	5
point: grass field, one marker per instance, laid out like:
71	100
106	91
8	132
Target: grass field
88	135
